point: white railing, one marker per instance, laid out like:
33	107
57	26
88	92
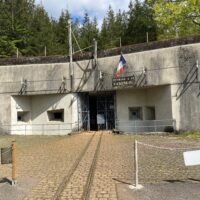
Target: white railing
39	129
166	125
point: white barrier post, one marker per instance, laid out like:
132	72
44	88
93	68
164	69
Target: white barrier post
137	185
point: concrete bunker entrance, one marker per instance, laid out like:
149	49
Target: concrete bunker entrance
102	111
98	112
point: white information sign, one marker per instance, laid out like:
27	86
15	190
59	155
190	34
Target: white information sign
192	158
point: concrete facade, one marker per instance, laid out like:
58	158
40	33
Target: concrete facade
36	110
170	84
158	98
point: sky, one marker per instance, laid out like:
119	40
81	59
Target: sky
77	8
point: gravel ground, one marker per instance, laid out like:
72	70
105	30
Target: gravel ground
43	162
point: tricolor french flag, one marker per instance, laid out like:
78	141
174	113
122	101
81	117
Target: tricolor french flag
121	66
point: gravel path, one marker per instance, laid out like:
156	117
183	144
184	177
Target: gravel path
43	162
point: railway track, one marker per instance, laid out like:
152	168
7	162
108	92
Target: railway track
77	183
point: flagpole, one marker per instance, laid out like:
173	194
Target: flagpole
120	44
70	54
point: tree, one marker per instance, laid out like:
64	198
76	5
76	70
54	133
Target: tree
89	31
112	29
62	33
15	21
121	22
40	32
177	18
140	21
7	47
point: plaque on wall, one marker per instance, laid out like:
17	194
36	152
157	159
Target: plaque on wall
122	82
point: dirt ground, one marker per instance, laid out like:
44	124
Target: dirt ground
44	161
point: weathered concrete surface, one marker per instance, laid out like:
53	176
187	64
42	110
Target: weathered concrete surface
164	66
163	191
38	106
17	192
157	97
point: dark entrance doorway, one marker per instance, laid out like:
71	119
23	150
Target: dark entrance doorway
102	111
93	112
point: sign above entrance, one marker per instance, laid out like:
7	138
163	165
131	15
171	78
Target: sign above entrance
119	82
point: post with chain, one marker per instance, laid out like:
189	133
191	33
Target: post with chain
136	185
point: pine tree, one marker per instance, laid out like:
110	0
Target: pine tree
40	31
16	17
103	43
140	22
89	31
62	33
109	35
113	29
120	27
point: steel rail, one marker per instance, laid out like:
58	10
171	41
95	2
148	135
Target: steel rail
67	178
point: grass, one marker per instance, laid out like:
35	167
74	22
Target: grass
190	134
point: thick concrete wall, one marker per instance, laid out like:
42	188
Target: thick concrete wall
38	106
164	66
186	109
160	97
5	109
156	97
186	90
168	66
46	78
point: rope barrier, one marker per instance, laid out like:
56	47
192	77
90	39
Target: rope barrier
167	148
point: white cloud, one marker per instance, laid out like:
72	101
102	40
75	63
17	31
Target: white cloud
96	8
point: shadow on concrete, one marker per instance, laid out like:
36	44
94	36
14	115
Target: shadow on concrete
174	181
193	179
62	88
121	181
5	180
99	85
191	77
85	77
141	79
199	91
